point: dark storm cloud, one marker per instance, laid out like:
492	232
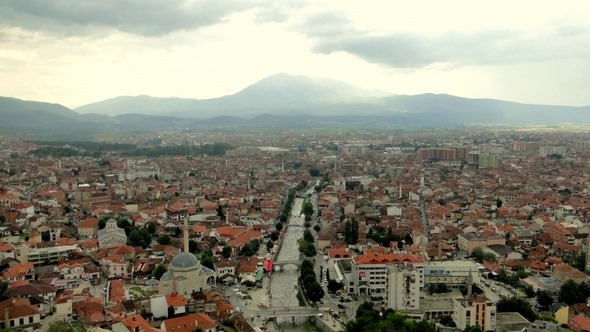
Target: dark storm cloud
334	33
149	18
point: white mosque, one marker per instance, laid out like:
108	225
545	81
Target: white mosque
185	273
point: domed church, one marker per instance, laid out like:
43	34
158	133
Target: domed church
185	273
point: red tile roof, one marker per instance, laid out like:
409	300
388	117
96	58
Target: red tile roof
89	223
373	258
189	323
175	300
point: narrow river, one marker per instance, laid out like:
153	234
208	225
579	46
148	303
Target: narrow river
283	284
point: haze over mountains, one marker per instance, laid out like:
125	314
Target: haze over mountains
277	101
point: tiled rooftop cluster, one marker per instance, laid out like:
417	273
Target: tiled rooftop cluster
521	196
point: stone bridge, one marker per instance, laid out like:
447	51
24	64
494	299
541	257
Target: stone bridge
280	266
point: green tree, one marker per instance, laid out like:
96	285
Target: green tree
151	228
314	172
310	250
580	261
123	223
447	320
137	238
279	226
220	212
307	208
572	292
45	236
472	328
274	235
283	218
207	261
521	273
477	254
193	246
317	228
354	229
520	305
334	286
226	251
307	236
269	244
3	287
102	223
165	240
544	298
303	246
314	292
529	291
60	326
347	232
159	271
547	316
369	320
306	264
308	280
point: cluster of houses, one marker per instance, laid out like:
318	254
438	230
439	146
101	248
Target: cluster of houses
527	210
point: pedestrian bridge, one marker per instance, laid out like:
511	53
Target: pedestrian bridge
288	312
280	266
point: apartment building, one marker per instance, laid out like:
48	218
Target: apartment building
403	288
370	272
39	256
474	310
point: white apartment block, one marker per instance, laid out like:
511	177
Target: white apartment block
396	279
547	150
403	291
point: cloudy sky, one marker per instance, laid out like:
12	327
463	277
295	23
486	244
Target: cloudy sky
78	52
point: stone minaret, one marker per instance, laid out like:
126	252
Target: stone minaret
185	235
470	284
588	253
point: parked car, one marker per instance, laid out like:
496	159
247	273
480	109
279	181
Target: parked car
341	306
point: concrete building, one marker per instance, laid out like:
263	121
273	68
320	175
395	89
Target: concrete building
473	310
88	228
369	273
451	273
381	276
403	287
549	150
40	256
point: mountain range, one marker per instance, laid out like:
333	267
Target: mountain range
277	101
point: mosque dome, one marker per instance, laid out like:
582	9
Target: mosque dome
167	276
185	260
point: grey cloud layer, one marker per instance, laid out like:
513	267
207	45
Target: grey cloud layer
333	33
156	17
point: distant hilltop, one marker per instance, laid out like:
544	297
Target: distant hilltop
278	100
